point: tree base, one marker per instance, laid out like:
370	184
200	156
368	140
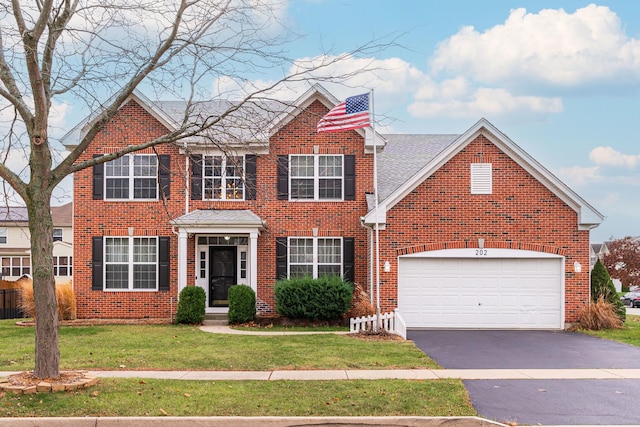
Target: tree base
27	383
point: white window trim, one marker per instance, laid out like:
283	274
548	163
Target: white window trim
481	178
130	265
4	232
61	234
315	263
223	178
316	178
11	265
132	178
57	266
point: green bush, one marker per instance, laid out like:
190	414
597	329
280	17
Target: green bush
242	304
325	298
191	305
602	288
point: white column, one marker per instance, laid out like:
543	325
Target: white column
253	261
182	260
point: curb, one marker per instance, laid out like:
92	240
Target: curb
249	422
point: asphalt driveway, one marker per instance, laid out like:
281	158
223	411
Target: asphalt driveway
539	402
488	349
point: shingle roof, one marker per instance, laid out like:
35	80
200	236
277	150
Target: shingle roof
219	217
405	155
14	214
61	215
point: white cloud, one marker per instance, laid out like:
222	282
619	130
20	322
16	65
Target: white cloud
480	102
551	47
607	156
580	176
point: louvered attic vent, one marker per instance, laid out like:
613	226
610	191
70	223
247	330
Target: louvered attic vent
481	178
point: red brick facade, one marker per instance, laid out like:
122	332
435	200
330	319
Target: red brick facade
439	213
521	213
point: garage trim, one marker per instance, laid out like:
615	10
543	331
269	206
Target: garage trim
440	302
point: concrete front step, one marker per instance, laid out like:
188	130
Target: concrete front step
216	319
220	322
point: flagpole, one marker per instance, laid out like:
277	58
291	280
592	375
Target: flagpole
377	223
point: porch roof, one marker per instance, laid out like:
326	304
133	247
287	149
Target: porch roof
214	218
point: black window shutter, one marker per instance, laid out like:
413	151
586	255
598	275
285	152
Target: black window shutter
98	180
163	263
281	258
283	177
350	177
96	264
164	172
348	256
250	177
196	177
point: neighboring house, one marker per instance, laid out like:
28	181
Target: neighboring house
15	242
597	252
473	232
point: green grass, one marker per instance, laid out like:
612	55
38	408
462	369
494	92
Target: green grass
281	328
172	347
137	397
629	335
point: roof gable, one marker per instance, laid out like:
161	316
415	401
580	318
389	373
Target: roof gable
588	216
75	135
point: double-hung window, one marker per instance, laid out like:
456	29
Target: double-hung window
131	263
315	257
316	177
57	234
62	266
132	177
3	235
16	266
222	177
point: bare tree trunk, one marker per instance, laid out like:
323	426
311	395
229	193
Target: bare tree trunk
47	353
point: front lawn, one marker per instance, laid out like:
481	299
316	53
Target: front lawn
629	335
147	397
172	347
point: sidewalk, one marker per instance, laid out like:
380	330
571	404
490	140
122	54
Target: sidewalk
350	374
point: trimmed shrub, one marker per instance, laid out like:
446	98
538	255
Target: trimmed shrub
598	315
602	288
191	305
326	298
242	304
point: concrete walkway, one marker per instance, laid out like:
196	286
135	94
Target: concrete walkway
367	374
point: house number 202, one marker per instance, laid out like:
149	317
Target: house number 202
481	252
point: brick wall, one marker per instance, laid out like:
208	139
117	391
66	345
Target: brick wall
113	218
282	218
520	213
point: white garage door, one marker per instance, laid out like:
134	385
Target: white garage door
502	293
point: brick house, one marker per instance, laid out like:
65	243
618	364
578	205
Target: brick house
473	231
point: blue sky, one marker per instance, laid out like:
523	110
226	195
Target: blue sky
560	78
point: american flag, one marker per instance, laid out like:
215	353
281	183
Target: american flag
353	113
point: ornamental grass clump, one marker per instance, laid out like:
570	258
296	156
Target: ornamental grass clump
191	305
599	315
325	298
65	296
242	304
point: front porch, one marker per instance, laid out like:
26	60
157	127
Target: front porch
222	246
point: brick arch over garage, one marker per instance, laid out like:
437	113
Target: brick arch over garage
488	244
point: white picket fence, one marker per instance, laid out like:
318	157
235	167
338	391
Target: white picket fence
390	322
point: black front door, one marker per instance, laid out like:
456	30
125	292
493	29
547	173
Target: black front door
222	274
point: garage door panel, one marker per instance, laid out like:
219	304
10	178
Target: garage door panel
481	293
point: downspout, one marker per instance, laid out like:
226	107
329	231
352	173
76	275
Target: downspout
371	260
